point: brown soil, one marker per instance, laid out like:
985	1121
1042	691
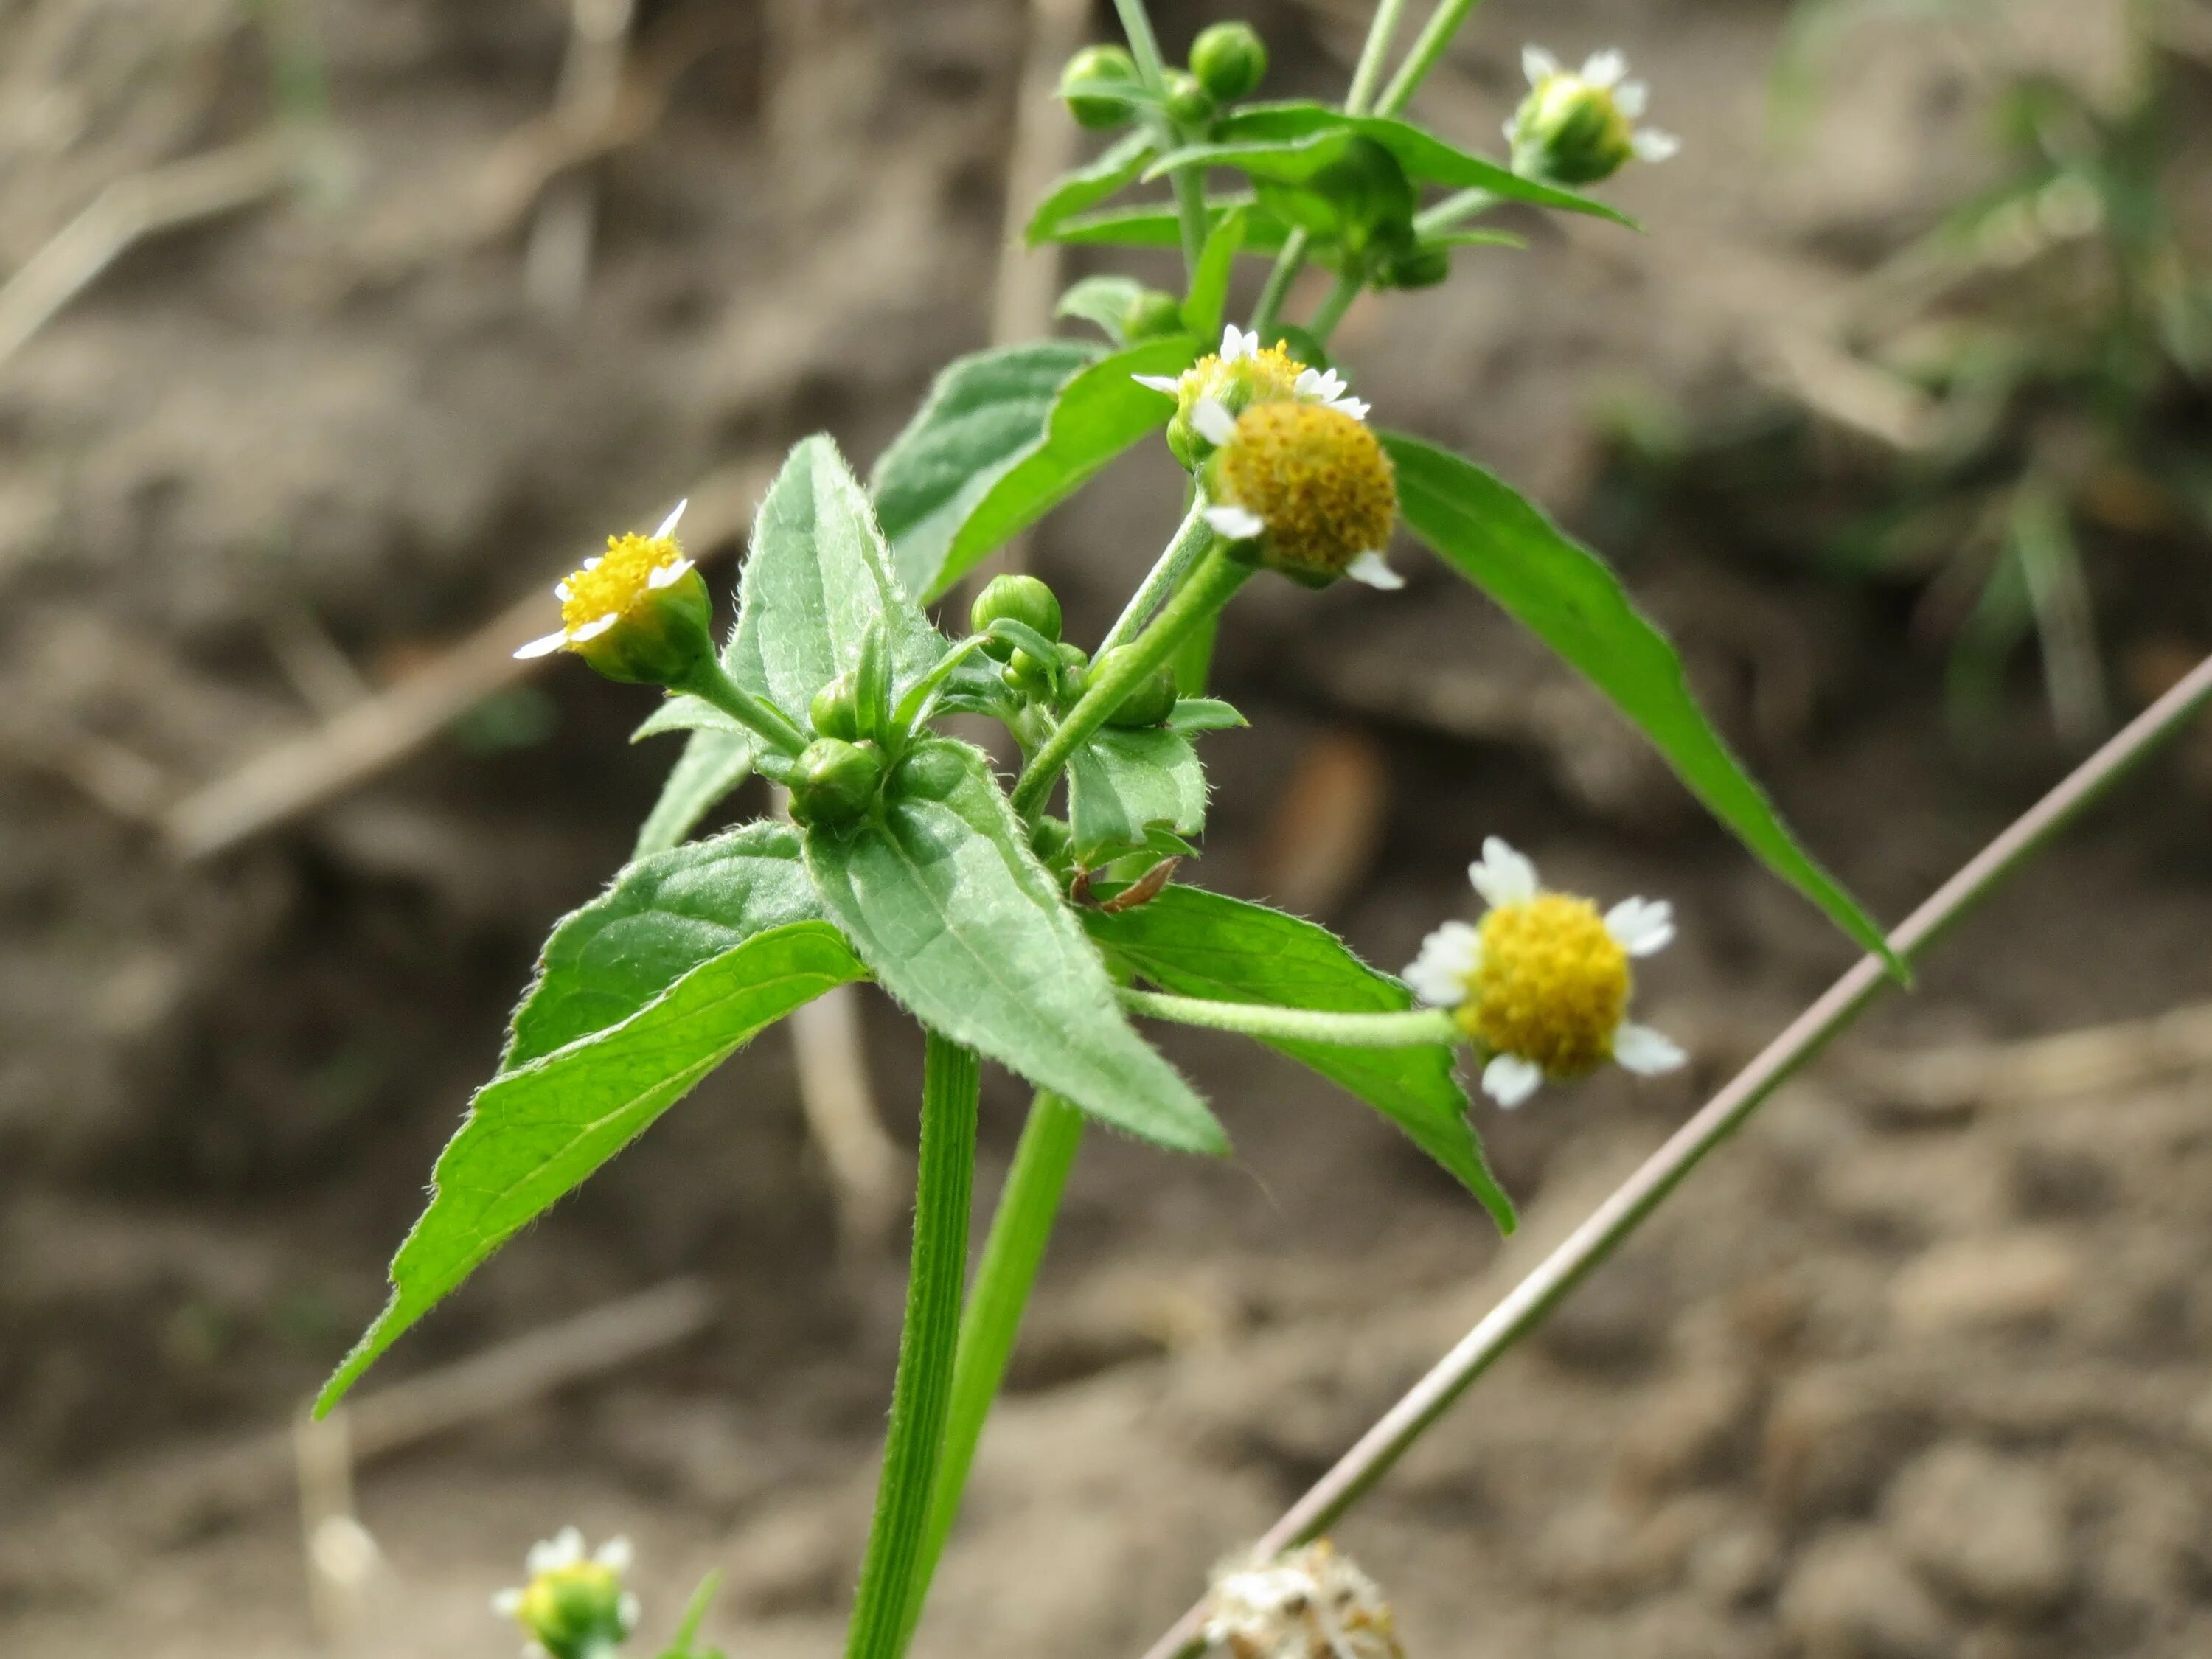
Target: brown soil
1880	1382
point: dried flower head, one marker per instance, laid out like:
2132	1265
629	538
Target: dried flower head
1307	1603
1541	985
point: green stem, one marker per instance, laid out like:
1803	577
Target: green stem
920	700
890	1593
1526	1307
1211	585
1152	69
1020	1228
1278	288
1331	311
1401	1029
1429	47
1192	538
1455	209
712	683
1380	29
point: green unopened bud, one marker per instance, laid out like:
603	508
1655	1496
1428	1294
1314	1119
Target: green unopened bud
1153	315
1230	60
1090	67
1414	267
573	1606
1147	703
836	710
1023	599
1189	104
834	782
1579	128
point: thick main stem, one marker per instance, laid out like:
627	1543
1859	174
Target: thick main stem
1526	1307
888	1600
1020	1228
1209	588
1192	538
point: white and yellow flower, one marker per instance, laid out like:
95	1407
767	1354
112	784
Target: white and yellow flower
1306	485
1578	127
575	1605
1541	985
637	613
1240	373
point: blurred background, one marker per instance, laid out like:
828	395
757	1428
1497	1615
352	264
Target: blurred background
331	331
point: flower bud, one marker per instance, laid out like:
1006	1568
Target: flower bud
836	710
573	1606
1148	702
1230	60
1189	104
834	782
1153	315
1414	267
1017	598
1094	64
1578	128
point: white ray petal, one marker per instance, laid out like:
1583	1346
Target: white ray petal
1238	523
592	630
616	1554
1641	926
507	1602
667	576
1639	1049
543	647
1539	65
1448	959
675	516
1171	385
1373	570
627	1610
1355	407
1235	344
563	1549
1632	98
1653	145
1604	69
1213	421
1509	1080
1502	875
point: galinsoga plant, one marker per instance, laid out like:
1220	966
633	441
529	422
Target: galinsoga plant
1035	925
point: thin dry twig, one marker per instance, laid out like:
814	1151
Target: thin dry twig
558	266
126	213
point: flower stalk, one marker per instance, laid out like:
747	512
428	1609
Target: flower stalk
1403	1028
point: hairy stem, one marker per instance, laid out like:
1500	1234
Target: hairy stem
1020	1228
1429	47
1192	538
1531	1302
1400	1030
891	1593
1209	586
1380	29
1152	69
713	684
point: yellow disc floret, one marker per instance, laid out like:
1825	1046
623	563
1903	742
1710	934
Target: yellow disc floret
618	583
1317	479
1552	985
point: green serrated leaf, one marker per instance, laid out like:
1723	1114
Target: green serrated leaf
660	918
1570	598
1097	415
940	893
533	1133
818	575
710	769
1103	300
1123	782
983	414
1159	227
1289	141
1114	169
1194	942
1208	299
